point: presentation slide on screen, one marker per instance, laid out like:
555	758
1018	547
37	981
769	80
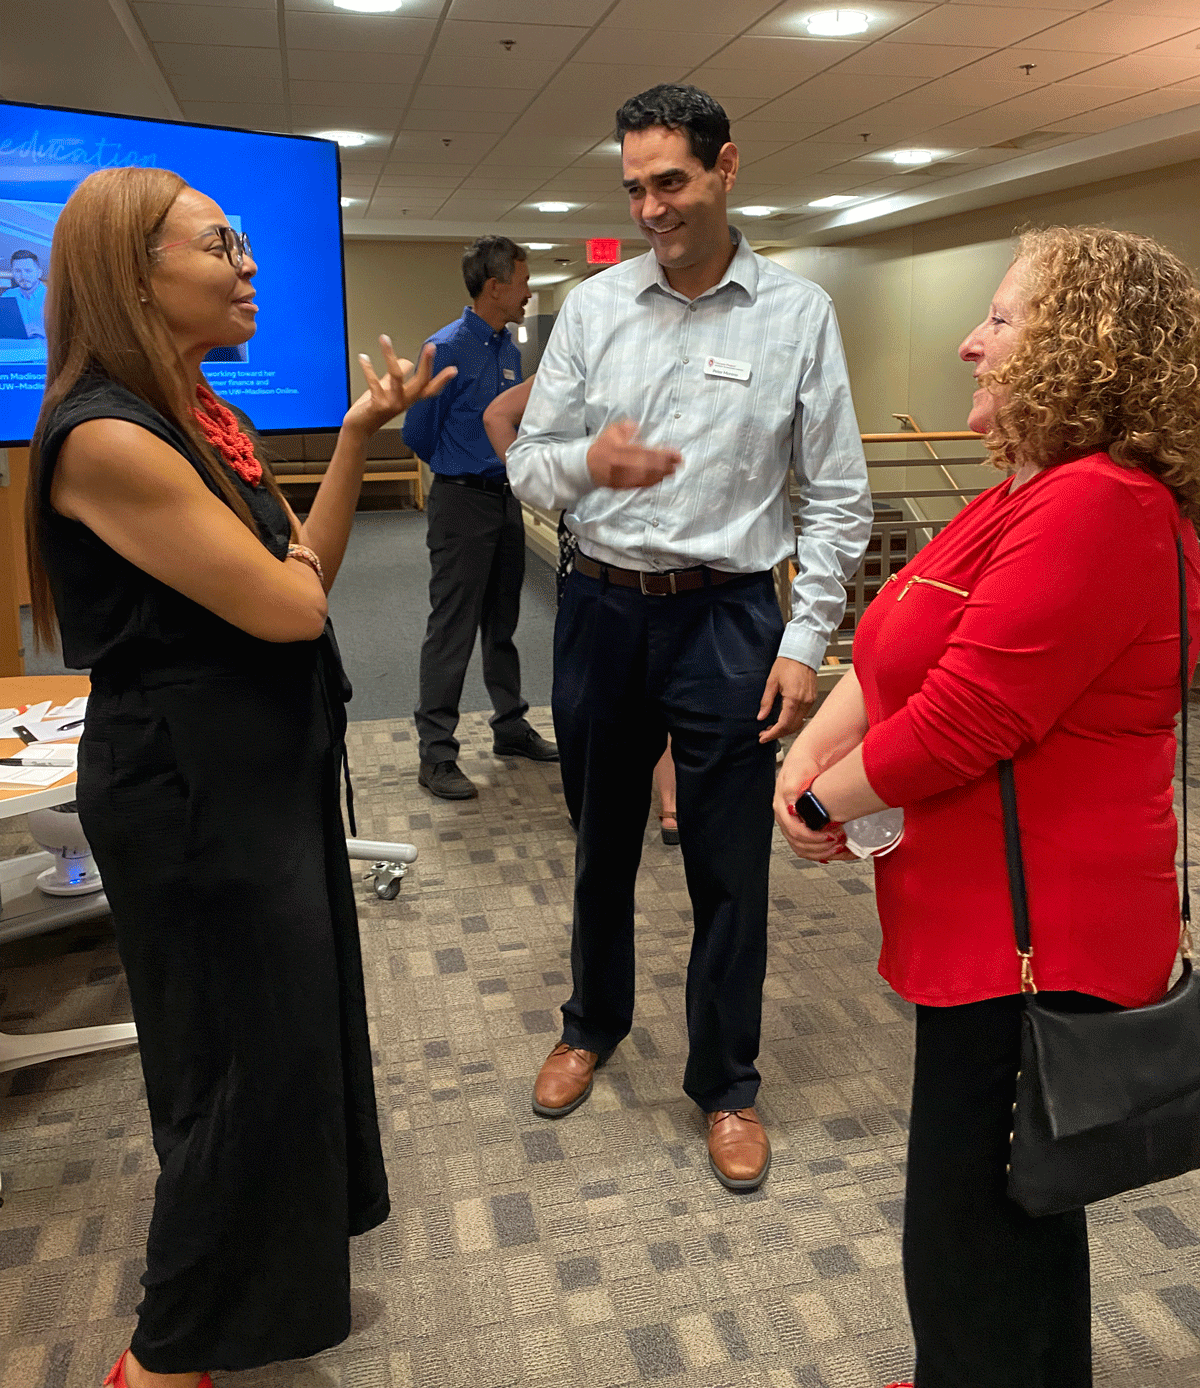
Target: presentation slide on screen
281	191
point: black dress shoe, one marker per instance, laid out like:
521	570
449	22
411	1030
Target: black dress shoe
527	744
444	779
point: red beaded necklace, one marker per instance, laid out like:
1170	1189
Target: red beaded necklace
219	426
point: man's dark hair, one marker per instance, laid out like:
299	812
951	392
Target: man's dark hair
23	255
678	108
490	258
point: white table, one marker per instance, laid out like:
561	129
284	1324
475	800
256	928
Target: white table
24	909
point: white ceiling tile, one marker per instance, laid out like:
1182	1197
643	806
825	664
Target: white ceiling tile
789	130
689	16
485	72
425	147
497	101
1132	108
910	59
245	115
741	84
417	208
421	167
981	129
679	51
1154	9
1049	65
1113	33
198	59
585	12
617	82
363	96
221	4
1077	5
548	44
832	96
209	24
360	33
991	25
313	65
453	123
1052	105
789	57
550	150
971	91
1139	72
222	86
310	119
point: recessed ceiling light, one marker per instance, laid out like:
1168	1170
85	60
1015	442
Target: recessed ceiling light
912	156
539	245
837	23
756	211
834	200
369	6
349	202
348	139
554	207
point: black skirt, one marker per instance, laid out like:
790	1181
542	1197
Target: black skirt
211	801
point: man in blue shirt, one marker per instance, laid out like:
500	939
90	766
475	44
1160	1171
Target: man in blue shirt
476	534
25	270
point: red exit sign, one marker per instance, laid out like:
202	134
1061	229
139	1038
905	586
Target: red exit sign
601	251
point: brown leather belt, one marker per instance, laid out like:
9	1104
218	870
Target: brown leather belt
655	585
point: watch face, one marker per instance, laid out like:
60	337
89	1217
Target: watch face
811	811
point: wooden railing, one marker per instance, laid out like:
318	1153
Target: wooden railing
909	512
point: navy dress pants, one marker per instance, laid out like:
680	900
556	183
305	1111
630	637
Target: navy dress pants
629	669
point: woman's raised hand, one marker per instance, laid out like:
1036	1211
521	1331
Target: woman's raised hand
398	388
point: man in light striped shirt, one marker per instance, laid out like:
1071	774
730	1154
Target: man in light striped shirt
675	393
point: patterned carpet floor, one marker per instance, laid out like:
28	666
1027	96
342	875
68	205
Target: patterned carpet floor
596	1251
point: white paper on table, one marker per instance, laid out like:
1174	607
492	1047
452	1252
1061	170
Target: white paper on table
29	719
31	776
46	753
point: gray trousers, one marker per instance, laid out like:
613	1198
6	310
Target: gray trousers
477	566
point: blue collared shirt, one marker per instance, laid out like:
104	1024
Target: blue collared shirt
747	381
447	431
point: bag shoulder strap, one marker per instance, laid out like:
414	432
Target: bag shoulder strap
1012	828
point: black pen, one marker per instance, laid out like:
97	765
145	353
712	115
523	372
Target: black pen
18	761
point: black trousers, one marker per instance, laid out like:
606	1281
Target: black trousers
997	1298
476	546
628	670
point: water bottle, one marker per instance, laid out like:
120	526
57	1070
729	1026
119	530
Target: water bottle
873	835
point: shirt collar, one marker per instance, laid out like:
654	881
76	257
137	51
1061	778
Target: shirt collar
483	331
742	272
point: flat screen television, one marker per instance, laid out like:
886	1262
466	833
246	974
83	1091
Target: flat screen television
283	191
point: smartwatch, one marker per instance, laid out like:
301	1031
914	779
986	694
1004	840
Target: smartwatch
811	811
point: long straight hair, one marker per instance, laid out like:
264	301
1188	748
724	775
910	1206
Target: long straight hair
102	318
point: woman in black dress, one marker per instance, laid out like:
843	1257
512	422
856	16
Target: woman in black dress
209	773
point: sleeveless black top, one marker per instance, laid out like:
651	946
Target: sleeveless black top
113	615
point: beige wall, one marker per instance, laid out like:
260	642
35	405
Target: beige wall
407	289
905	299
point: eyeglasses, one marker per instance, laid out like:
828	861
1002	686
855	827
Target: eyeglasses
235	243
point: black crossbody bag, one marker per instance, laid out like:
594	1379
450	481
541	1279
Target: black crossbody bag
1106	1101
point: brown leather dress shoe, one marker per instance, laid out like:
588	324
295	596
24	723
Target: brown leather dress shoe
738	1150
564	1081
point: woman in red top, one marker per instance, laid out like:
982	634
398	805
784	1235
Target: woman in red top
1041	624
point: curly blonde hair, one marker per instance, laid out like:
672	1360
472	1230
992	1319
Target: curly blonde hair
1108	359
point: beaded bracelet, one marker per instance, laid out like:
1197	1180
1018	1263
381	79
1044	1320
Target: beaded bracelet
307	556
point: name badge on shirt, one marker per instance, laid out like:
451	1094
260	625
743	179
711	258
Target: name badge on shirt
509	374
727	369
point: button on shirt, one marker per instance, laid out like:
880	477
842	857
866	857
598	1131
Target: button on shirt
745	381
447	431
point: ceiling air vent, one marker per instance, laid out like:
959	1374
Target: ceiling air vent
1035	139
